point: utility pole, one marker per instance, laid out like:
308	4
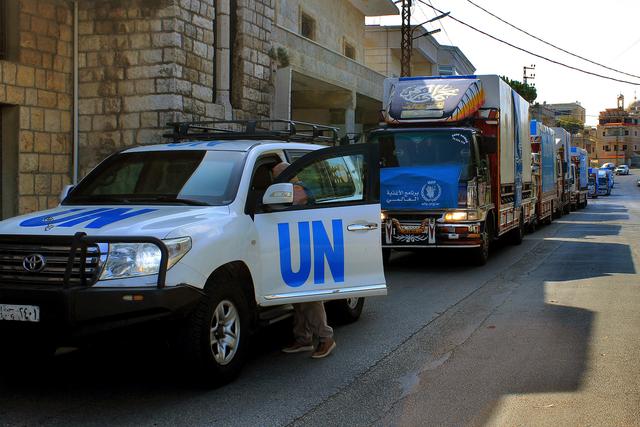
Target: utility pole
406	44
526	76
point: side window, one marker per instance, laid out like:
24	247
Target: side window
293	155
333	180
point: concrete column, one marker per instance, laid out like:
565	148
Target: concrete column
350	115
282	97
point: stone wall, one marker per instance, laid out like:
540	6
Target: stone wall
252	85
143	63
39	80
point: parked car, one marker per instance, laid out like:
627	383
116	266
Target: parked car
622	170
609	166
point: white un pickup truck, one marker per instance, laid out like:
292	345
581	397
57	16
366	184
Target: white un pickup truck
197	231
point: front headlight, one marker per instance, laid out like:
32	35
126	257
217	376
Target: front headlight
141	259
455	216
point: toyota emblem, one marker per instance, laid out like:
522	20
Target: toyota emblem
34	263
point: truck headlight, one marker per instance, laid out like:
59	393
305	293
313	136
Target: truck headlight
455	216
141	259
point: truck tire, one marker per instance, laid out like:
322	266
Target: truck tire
517	234
344	311
480	255
215	337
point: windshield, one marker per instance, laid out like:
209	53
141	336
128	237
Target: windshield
602	180
427	148
164	177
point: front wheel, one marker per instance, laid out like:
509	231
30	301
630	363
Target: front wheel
517	234
480	255
215	338
345	311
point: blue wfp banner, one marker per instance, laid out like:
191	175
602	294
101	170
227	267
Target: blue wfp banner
517	114
419	187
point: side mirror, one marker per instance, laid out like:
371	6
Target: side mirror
488	145
65	192
278	194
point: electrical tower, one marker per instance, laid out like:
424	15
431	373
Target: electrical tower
406	45
526	76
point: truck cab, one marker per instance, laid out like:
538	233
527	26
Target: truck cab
605	182
452	155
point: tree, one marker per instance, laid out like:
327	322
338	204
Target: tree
525	90
570	124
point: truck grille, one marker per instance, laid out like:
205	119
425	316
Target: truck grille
23	263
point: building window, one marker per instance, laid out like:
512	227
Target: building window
606	148
624	148
603	133
349	50
626	133
307	26
447	70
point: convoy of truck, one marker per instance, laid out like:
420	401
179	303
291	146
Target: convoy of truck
146	237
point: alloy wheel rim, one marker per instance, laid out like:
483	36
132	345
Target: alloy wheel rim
352	303
225	332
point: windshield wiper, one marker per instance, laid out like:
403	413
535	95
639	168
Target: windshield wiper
91	200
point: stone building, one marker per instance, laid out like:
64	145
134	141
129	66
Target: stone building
321	72
81	79
428	58
618	134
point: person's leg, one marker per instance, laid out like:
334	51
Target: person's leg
317	319
302	334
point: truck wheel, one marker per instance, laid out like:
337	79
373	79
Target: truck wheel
517	234
344	311
480	255
386	255
215	338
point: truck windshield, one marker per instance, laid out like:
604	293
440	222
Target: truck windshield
435	147
186	177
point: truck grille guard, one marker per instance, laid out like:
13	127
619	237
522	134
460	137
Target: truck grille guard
73	271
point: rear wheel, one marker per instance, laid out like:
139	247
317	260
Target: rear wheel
345	310
517	234
215	338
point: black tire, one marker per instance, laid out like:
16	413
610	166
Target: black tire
214	363
386	256
480	255
344	311
516	235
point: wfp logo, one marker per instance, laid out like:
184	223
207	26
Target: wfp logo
312	235
431	191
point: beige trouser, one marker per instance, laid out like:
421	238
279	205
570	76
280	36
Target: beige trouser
309	320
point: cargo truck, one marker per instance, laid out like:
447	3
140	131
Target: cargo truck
593	183
563	159
452	151
579	178
543	145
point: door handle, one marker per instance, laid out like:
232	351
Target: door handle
362	227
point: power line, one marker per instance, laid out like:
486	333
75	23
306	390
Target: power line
553	61
551	44
442	26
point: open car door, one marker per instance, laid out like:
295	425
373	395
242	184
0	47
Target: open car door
327	243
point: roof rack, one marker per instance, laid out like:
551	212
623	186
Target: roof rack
285	130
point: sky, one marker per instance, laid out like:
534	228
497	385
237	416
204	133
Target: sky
607	32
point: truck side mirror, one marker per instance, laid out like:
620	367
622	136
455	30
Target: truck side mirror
65	192
488	145
278	195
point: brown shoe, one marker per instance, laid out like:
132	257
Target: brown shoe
297	348
324	349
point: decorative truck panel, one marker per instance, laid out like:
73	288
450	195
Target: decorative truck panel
547	155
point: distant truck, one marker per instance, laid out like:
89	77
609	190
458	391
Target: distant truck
545	165
579	178
453	152
605	182
563	158
592	183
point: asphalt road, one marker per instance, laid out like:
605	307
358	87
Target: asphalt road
545	334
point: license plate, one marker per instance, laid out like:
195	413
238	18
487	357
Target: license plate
20	313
